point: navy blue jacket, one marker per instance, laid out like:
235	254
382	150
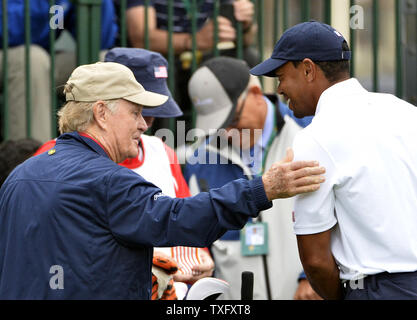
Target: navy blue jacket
77	211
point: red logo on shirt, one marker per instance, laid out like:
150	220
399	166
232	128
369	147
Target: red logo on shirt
293	216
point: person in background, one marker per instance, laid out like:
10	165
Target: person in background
230	12
253	134
40	64
356	236
13	153
242	11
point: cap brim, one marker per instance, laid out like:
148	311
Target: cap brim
268	67
213	121
169	109
147	99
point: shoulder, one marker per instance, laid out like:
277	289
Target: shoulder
306	144
291	125
45	147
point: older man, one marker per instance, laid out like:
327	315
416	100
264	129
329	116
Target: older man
75	225
156	162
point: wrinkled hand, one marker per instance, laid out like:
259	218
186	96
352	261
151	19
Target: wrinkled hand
244	11
306	292
204	37
202	270
286	179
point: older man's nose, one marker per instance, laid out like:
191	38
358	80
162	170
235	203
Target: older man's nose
142	126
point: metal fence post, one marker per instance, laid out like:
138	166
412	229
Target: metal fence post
171	58
5	110
123	31
352	45
239	40
147	45
399	51
27	69
276	30
285	13
216	8
88	30
375	44
328	12
95	30
52	35
305	10
194	51
83	36
261	29
409	49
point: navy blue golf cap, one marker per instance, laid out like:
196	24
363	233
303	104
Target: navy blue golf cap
314	40
151	71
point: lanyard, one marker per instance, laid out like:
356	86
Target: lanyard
271	140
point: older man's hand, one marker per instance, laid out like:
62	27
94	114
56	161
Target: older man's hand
286	179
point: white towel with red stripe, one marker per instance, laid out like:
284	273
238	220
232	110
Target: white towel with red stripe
186	257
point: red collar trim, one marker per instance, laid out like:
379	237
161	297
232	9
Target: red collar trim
83	134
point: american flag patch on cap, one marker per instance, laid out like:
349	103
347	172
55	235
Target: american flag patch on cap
161	72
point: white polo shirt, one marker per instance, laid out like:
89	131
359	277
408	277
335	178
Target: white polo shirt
368	144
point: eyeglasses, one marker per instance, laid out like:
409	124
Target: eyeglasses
238	114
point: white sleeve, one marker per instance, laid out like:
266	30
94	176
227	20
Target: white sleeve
314	212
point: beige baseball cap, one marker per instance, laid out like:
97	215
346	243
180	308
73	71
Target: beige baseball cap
108	81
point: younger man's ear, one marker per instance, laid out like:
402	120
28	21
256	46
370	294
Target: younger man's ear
309	69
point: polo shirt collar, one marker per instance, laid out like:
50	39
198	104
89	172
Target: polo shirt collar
351	85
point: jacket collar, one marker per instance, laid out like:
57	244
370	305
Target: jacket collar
83	139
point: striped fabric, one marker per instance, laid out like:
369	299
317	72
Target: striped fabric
186	257
182	21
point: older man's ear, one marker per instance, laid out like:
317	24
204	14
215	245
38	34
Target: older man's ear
100	113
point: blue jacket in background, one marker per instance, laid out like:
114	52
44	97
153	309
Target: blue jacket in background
40	17
302	122
211	171
77	211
